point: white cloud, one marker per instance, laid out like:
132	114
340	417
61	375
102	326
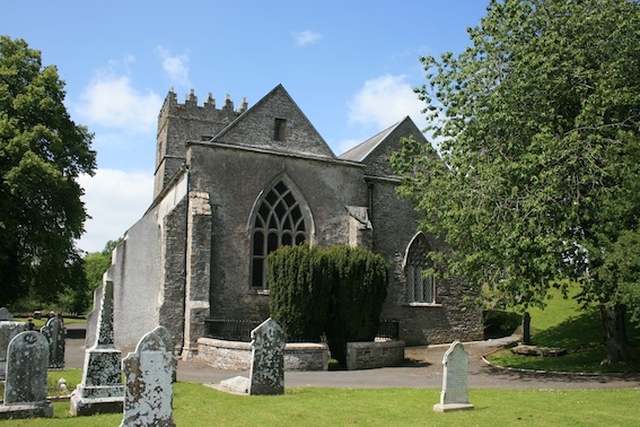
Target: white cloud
111	101
176	67
115	200
303	38
385	100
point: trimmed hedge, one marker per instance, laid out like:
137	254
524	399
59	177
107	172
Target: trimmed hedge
337	292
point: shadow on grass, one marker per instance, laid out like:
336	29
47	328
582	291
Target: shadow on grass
582	335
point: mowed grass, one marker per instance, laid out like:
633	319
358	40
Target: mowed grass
562	324
198	405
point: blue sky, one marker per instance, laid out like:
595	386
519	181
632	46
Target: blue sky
349	65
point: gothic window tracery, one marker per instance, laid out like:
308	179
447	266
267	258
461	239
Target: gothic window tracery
420	286
279	221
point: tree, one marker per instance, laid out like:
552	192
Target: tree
536	177
42	153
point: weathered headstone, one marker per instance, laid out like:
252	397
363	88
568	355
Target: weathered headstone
8	330
101	389
266	375
55	333
148	395
267	367
454	396
25	390
5	314
165	336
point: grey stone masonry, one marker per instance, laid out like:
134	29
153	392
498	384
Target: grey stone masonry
148	374
267	367
101	389
454	394
25	390
55	333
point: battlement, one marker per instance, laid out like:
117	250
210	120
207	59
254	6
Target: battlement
179	123
191	102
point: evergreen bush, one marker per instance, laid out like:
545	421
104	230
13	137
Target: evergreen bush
337	291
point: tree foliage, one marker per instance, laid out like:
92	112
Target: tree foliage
338	292
536	177
42	153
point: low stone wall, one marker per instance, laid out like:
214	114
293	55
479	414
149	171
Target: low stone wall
367	355
236	355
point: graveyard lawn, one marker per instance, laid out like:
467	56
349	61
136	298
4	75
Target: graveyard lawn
196	404
563	325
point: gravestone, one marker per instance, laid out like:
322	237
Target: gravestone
101	389
148	371
25	389
454	396
266	375
8	330
5	314
267	366
55	333
165	336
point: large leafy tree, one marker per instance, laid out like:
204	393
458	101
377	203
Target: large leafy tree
42	152
537	173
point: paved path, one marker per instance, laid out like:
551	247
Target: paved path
423	369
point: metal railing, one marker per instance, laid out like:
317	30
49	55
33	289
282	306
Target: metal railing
240	330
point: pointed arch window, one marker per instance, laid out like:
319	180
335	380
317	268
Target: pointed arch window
279	221
421	287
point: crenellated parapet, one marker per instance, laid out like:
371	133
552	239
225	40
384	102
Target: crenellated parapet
179	123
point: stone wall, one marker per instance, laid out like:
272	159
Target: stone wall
236	355
368	355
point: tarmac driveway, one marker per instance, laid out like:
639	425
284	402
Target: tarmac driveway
423	369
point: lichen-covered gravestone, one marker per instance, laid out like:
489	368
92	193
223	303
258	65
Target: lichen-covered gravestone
8	330
148	371
101	389
25	390
55	333
454	395
165	336
267	367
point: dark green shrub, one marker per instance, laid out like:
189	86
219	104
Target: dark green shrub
338	292
359	288
298	294
499	323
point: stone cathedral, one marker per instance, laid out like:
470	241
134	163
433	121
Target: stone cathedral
232	185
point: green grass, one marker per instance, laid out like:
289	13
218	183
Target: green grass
562	324
42	321
198	405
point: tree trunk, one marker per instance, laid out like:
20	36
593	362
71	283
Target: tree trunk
615	334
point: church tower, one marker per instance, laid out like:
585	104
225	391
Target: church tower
181	123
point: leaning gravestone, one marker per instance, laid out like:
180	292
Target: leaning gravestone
55	333
101	389
267	367
454	396
148	393
8	330
25	389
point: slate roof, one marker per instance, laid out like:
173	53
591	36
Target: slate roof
362	150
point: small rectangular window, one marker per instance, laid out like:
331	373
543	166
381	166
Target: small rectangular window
280	129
